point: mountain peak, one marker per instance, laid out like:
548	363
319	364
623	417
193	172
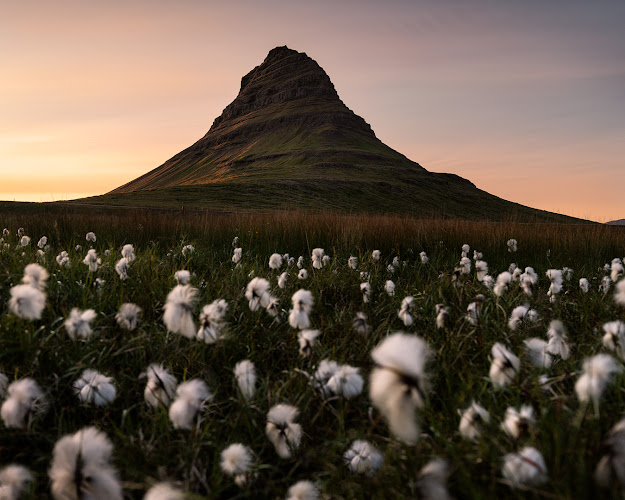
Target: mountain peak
285	75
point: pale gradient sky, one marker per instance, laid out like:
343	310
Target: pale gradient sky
525	99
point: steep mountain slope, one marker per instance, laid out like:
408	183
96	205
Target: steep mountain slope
288	141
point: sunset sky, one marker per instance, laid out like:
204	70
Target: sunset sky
525	99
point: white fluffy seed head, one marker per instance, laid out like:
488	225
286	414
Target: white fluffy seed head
275	261
95	388
27	302
518	422
472	420
78	325
346	382
537	352
192	396
81	467
363	458
504	367
525	468
303	490
307	340
128	316
282	431
14	480
597	374
24	399
160	387
36	276
178	309
182	277
257	293
245	374
164	491
236	460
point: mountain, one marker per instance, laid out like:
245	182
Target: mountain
619	222
288	141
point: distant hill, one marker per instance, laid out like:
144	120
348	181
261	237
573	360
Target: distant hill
288	141
620	222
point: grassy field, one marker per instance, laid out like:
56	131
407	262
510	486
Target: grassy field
147	448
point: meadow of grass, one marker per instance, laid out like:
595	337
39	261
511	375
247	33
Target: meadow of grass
148	449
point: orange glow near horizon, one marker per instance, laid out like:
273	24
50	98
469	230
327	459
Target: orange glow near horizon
526	101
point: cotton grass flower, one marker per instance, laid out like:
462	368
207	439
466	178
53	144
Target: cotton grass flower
245	375
14	480
465	250
212	321
237	254
558	337
95	388
465	265
92	260
606	282
282	280
614	338
121	268
504	367
191	398
525	468
346	382
619	296
616	270
36	276
518	422
164	491
398	383
424	258
128	252
317	257
405	311
302	275
610	471
555	276
161	386
26	302
79	323
521	315
24	241
187	250
365	289
128	316
528	280
324	373
473	310
537	353
257	293
481	269
376	254
389	288
352	262
24	400
502	284
275	261
512	245
472	420
363	458
236	461
303	490
178	317
360	325
598	372
442	315
432	480
584	286
90	237
307	339
182	277
281	429
302	306
62	259
81	467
